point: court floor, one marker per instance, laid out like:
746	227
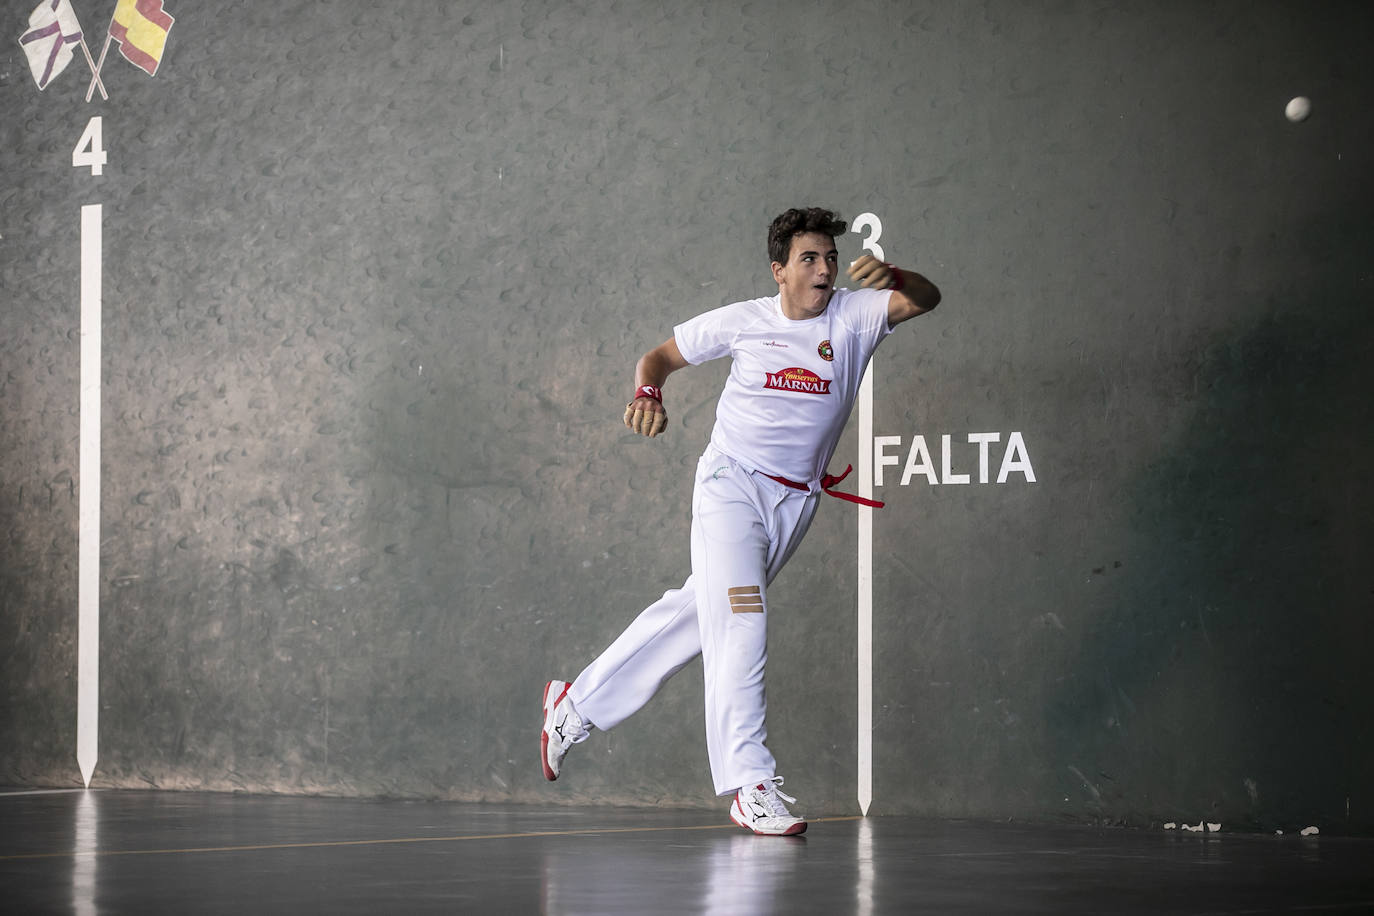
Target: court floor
127	851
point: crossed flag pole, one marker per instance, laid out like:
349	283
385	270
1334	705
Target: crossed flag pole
95	70
140	27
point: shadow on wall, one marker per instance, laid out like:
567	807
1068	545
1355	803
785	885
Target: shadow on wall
1227	681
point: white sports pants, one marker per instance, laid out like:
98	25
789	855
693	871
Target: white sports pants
744	528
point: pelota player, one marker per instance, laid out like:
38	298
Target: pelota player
797	361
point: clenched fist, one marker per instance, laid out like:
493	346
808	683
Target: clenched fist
646	417
870	272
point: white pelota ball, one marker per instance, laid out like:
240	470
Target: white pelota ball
1298	109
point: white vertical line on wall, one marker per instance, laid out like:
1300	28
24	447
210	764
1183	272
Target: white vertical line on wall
865	577
88	537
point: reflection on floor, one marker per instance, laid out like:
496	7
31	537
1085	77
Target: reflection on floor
96	851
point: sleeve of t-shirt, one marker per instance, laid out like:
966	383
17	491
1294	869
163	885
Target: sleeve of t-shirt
865	312
705	337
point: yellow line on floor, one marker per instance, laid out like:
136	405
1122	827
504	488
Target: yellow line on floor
325	844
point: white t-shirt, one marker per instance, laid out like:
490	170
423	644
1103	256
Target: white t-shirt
792	383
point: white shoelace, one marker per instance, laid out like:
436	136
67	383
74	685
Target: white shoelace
575	730
771	796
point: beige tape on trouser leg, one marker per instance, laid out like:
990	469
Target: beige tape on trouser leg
746	599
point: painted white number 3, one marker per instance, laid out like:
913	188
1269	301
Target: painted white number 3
90	149
870	221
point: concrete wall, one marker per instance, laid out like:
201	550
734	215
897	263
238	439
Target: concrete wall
375	277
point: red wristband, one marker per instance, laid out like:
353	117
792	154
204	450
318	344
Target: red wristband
896	275
649	391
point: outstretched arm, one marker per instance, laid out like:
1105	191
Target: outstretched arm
912	294
645	414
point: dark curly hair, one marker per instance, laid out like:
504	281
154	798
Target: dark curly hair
799	222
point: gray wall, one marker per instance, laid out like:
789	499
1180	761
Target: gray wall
375	277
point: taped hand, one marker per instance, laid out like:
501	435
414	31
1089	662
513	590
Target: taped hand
646	417
870	272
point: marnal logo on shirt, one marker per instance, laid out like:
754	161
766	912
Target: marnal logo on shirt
794	379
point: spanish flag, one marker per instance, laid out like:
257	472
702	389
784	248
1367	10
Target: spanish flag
141	27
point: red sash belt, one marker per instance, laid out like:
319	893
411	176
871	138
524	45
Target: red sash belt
828	481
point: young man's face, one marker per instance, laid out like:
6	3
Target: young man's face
807	281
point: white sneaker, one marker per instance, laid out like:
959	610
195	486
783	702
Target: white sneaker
760	809
563	728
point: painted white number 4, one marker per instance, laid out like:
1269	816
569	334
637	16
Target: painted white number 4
90	149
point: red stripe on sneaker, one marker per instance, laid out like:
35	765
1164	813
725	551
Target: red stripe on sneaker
549	774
